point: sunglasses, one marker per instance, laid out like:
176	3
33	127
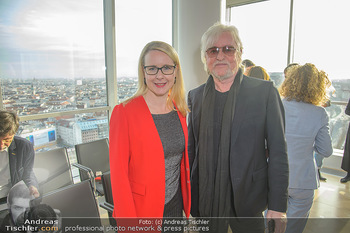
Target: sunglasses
227	50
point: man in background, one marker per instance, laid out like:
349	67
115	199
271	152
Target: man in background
16	157
24	209
248	64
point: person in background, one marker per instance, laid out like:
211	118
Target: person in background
148	141
16	157
18	202
289	67
231	117
21	212
319	163
307	130
345	165
258	72
248	64
319	158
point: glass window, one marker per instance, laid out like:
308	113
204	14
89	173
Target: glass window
321	37
316	38
263	28
320	40
52	55
65	131
137	23
52	63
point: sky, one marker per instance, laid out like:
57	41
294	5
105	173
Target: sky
65	38
139	22
320	34
45	39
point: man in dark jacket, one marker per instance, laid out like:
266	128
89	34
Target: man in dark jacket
236	143
16	157
345	165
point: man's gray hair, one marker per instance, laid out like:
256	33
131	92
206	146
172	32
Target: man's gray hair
212	35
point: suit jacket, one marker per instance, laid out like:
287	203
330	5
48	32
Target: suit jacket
345	164
256	183
21	160
307	130
347	109
137	163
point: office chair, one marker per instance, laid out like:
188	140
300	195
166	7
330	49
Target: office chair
108	204
76	205
93	161
52	170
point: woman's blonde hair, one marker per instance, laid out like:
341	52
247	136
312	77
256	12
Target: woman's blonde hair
177	92
307	84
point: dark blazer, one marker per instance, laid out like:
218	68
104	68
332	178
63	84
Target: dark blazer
21	160
256	182
345	164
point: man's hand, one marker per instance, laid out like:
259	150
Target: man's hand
34	191
280	220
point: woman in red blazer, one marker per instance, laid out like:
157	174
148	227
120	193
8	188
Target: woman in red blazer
148	141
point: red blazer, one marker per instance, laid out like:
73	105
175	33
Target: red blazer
137	163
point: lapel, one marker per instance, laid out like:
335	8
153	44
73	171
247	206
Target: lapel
12	151
240	108
196	111
183	124
143	111
149	126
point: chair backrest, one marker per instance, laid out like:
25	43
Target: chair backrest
76	204
52	169
94	155
107	187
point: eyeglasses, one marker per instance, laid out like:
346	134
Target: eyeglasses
227	50
153	70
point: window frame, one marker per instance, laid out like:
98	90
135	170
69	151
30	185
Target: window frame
110	66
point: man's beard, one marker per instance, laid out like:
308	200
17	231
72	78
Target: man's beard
228	74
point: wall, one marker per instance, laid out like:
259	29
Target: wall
191	19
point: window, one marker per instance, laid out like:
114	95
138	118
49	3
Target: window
137	23
52	63
52	70
65	131
263	28
319	39
52	55
320	36
315	38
